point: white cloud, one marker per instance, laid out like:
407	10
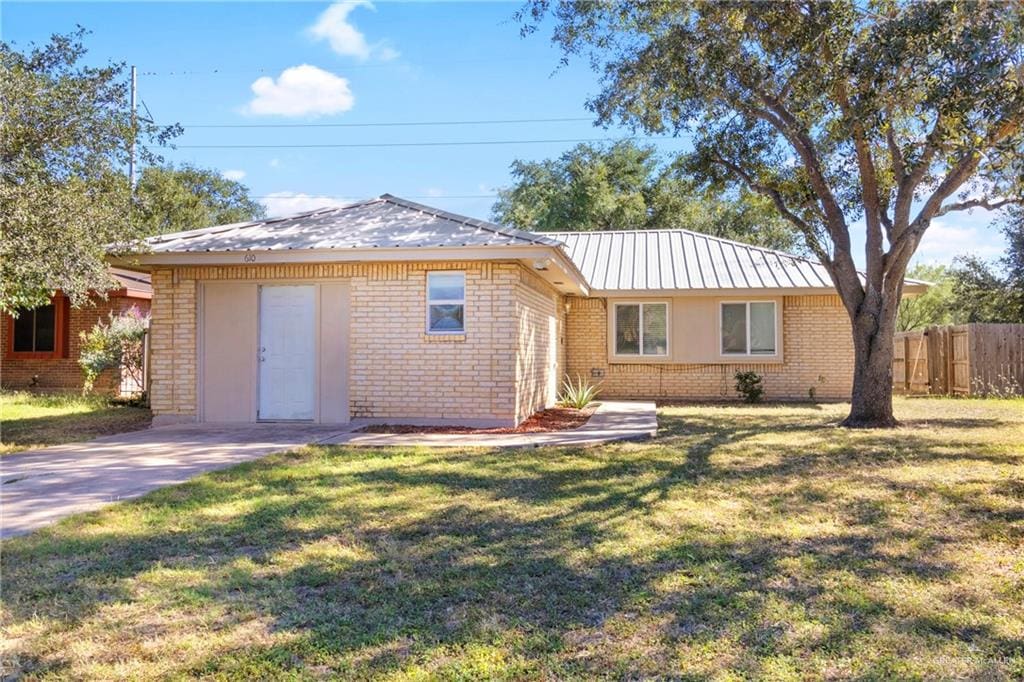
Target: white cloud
274	163
235	175
345	39
287	203
943	241
301	91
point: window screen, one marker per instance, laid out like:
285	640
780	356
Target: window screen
734	328
762	328
641	329
655	329
627	330
748	328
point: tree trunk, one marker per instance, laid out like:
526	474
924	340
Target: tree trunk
871	401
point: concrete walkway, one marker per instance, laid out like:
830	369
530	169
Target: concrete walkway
41	486
614	420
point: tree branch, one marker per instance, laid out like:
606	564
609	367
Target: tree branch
899	166
780	204
962	170
982	202
911	178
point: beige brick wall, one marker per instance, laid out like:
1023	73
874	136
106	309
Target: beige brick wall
64	374
172	343
519	343
540	348
400	371
396	369
817	353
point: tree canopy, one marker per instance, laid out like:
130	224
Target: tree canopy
169	199
64	195
626	186
891	112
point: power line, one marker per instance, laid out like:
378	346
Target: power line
389	124
466	143
267	70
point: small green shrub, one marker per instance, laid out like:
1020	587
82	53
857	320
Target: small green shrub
117	344
577	394
750	386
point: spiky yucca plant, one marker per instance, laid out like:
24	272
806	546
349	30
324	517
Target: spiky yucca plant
577	394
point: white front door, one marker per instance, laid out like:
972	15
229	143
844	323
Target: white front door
287	352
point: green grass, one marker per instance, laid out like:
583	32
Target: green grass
29	420
756	542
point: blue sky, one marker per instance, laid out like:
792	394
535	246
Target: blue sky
208	64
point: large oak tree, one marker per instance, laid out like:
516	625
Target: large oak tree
64	193
894	113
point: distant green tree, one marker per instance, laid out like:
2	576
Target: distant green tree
935	306
1013	262
978	292
981	293
64	194
169	199
625	187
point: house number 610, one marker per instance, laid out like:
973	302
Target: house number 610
249	258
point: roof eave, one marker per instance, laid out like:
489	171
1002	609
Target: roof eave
911	288
143	262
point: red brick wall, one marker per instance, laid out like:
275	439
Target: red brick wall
63	374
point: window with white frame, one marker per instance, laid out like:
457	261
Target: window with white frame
446	302
748	328
641	329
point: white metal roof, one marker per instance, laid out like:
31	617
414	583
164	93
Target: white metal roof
386	221
659	260
623	260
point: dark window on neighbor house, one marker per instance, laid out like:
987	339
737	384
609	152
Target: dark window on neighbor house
35	331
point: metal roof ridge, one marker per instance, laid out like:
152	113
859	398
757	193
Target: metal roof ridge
247	224
504	231
702	235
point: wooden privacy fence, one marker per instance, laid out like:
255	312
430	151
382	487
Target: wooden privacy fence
960	359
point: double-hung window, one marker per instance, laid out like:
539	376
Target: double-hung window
641	329
446	302
748	328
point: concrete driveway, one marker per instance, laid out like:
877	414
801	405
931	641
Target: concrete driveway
43	486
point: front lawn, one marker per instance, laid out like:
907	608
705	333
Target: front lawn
31	420
744	542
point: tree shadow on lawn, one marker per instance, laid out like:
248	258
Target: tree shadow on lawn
74	427
550	557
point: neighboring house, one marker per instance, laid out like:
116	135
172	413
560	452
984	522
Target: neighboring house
41	346
390	311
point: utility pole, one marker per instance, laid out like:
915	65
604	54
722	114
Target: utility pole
131	148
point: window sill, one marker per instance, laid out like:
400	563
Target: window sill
444	338
637	359
32	355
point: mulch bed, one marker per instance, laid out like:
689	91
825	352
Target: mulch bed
551	419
